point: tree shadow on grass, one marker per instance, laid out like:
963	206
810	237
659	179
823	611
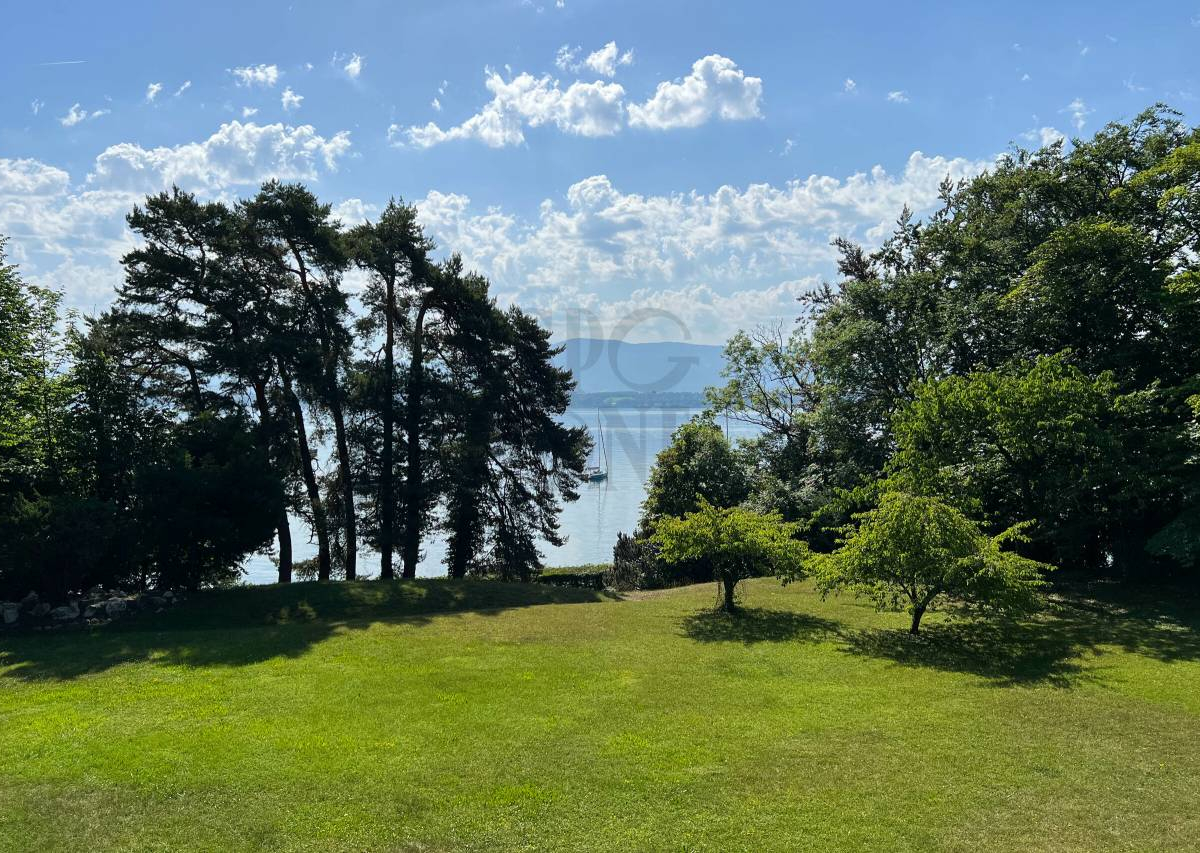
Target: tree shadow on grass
755	625
1006	653
1048	647
248	625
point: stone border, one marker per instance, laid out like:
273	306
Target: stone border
98	606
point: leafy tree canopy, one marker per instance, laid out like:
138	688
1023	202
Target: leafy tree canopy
912	551
739	543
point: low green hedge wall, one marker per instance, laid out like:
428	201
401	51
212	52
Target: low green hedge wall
591	576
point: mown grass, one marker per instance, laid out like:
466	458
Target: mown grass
435	715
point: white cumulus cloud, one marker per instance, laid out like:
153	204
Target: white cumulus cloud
1044	136
353	66
152	91
1079	112
583	109
72	235
256	75
718	250
290	100
26	177
76	114
567	58
715	88
236	155
606	59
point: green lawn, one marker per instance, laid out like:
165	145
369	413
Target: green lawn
438	715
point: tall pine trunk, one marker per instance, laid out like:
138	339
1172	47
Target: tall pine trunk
333	393
283	530
320	520
343	451
414	480
469	478
387	492
282	526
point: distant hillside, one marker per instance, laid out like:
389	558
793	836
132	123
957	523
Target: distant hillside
644	370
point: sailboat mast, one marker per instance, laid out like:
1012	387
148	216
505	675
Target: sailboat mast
603	447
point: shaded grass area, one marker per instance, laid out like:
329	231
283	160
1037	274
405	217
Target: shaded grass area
211	629
434	715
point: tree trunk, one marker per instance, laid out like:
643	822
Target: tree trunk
728	582
343	450
387	494
918	612
329	355
320	520
283	526
284	530
414	485
464	524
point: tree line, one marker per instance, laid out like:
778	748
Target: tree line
180	431
1020	369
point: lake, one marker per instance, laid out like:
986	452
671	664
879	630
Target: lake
633	438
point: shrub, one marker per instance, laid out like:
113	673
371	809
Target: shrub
590	576
910	551
737	542
636	565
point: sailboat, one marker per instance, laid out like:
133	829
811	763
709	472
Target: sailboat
594	473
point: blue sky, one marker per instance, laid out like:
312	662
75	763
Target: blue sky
657	170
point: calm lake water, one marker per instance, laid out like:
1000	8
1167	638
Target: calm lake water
633	438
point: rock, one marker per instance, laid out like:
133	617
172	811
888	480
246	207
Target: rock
65	613
93	611
29	602
11	613
115	607
40	610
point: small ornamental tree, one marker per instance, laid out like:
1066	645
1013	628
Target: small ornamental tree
737	542
910	551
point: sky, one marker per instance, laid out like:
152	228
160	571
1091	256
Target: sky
642	170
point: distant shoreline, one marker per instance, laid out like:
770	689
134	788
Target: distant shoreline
638	400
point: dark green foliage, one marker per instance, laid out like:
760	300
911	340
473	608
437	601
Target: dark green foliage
1026	353
394	251
168	442
587	577
1040	442
770	384
136	497
506	460
212	501
299	248
699	463
636	564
